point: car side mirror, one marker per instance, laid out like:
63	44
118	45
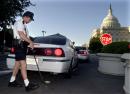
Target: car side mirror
73	43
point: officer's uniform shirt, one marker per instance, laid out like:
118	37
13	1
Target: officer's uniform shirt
21	27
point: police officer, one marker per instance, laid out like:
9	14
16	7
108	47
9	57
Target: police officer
23	41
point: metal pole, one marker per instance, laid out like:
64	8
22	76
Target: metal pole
43	33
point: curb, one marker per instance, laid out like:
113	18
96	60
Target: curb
5	72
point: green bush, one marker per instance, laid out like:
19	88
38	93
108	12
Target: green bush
95	45
116	48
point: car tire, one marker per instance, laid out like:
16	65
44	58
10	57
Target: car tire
68	75
77	65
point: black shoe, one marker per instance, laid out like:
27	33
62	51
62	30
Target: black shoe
14	84
31	86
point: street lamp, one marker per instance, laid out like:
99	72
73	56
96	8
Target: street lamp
43	32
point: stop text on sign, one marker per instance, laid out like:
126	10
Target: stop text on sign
106	39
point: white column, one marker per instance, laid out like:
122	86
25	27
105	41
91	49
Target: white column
126	86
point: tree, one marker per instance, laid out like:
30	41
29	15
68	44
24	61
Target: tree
8	38
95	45
9	9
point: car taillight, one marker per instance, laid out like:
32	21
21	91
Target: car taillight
84	53
58	52
54	52
12	50
48	52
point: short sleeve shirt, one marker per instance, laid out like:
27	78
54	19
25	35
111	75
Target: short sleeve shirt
21	27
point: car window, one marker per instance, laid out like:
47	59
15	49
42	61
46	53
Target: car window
80	48
53	39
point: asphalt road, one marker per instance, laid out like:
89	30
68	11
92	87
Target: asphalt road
87	80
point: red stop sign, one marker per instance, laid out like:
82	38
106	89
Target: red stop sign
106	39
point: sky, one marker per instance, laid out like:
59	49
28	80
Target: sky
74	19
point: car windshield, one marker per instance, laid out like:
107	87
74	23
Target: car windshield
56	39
80	48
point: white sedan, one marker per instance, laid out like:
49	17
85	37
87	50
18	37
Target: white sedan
82	53
54	53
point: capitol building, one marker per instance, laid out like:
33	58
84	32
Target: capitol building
111	25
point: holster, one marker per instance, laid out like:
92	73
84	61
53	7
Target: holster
15	43
19	43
